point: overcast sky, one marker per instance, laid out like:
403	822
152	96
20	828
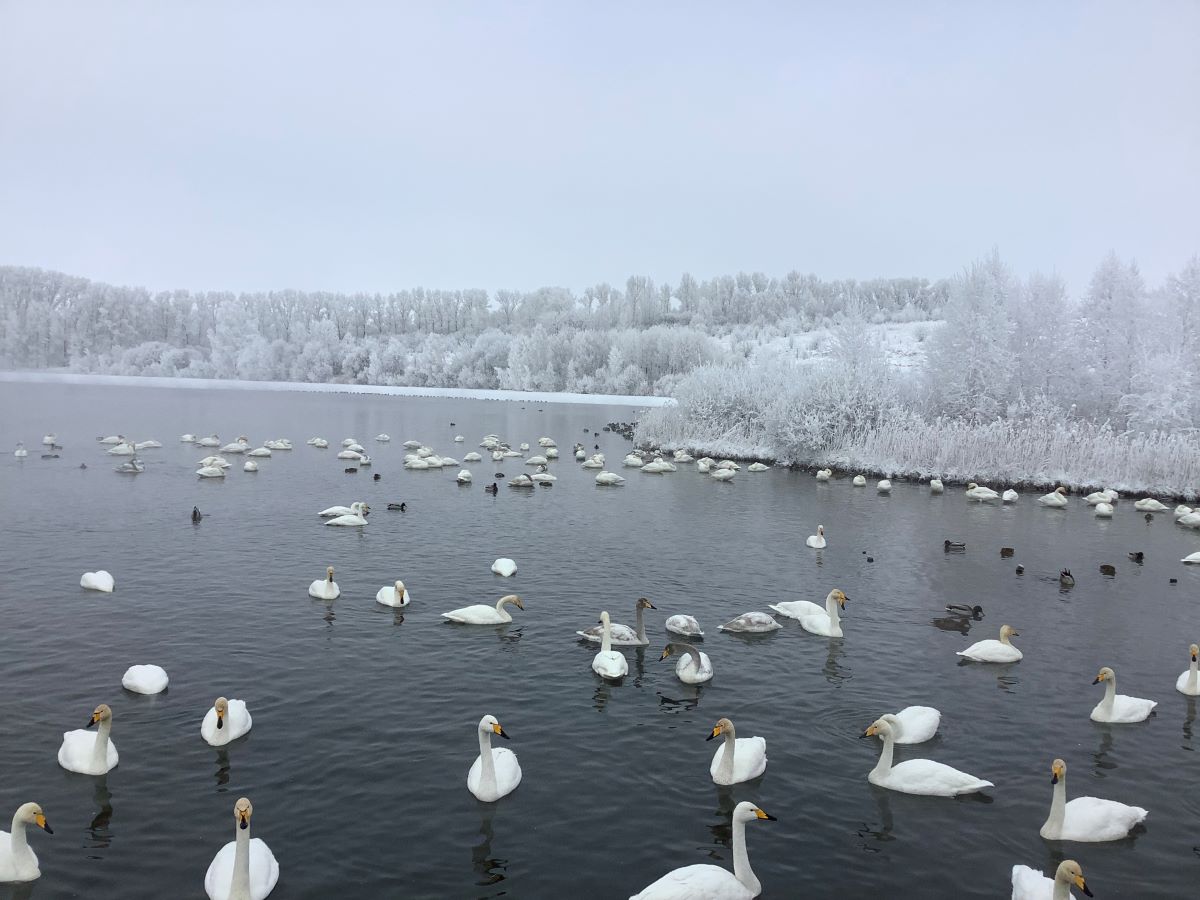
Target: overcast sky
377	146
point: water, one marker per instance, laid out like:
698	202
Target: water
364	719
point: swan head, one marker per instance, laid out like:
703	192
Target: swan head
1106	674
604	618
821	530
1058	769
101	714
748	812
839	597
723	726
972	486
222	707
1007	631
329	573
31	814
881	727
644	603
1069	872
513	599
1195	651
242	811
490	725
399	587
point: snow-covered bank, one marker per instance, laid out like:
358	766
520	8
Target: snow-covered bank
387	390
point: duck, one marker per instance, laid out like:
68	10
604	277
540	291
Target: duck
1149	504
492	488
18	862
482	614
936	486
975	612
623	635
1138	556
196	514
992	651
813	618
1086	819
981	494
1056	499
694	666
245	868
393	594
1103	510
325	589
495	772
1066	579
20	452
684	625
1106	569
950	546
1010	496
918	776
1030	884
89	754
397	507
751	623
1117	708
913	724
816	541
1189	681
884	485
737	759
609	478
705	881
824	474
504	567
859	481
608	663
145	679
99	580
225	722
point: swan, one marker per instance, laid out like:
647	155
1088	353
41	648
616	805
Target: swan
859	481
1191	559
89	754
463	477
357	508
1103	510
1189	681
18	862
187	439
409	445
658	466
551	453
1182	510
278	444
1056	499
133	466
1190	520
521	481
816	541
1086	819
536	461
936	486
1010	496
913	724
704	466
1001	651
495	773
884	485
350	520
211	441
918	776
145	679
211	472
623	635
737	759
753	467
580	453
751	623
683	624
319	443
608	663
611	478
1117	708
682	456
722	474
383	438
546	442
633	461
694	666
1104	496
813	618
482	614
125	448
824	474
214	461
326	589
146	445
99	580
20	452
413	462
350	454
1030	884
350	442
505	567
543	477
472	457
393	595
259	452
458	439
708	882
593	462
1149	504
245	868
225	722
981	494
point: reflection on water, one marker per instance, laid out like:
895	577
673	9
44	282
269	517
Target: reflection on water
676	704
1100	760
222	774
601	695
835	673
882	833
489	869
959	622
1188	721
722	829
98	831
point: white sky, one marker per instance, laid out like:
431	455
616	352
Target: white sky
378	146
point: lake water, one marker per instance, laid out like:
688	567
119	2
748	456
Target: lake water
364	720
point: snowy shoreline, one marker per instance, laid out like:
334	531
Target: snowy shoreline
27	377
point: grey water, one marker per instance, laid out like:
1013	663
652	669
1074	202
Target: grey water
365	717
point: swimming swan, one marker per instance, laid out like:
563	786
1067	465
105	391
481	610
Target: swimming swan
225	722
737	759
981	494
89	754
683	624
1030	884
1010	496
326	589
609	478
482	614
20	452
608	663
495	773
623	635
504	566
99	580
1103	510
992	651
1117	708
1189	681
1056	499
350	520
816	541
918	776
145	679
751	623
245	868
1191	559
824	474
913	724
815	619
704	881
357	508
694	666
18	862
1149	504
860	481
393	595
884	485
1086	819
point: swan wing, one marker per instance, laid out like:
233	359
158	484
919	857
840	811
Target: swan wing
918	724
75	754
508	770
794	609
683	624
1091	819
924	776
478	614
698	882
1030	884
610	664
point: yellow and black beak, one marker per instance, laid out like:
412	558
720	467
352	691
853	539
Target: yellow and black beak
500	731
666	652
1097	679
43	824
243	819
870	732
650	605
220	719
1054	777
762	815
716	730
1194	657
1082	885
92	721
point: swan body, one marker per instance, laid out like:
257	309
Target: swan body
918	776
884	485
87	753
722	474
633	461
936	486
753	467
608	663
1189	681
482	614
214	461
279	444
472	457
504	567
18	862
981	494
225	721
463	477
120	439
1117	708
458	439
993	651
913	724
683	625
1104	496
1190	520
682	456
859	481
536	461
325	589
521	481
245	868
259	452
816	541
610	478
383	438
708	882
393	595
1056	499
145	679
694	666
593	462
211	472
824	474
495	773
357	508
1030	884
1103	510
350	520
1010	496
319	443
99	580
143	445
1191	559
815	619
187	439
125	448
622	635
737	759
751	623
251	466
20	452
1149	504
132	466
1086	819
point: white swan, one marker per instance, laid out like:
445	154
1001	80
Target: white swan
859	481
495	772
350	520
99	580
278	444
225	721
125	448
211	441
936	486
683	624
521	481
482	614
754	467
693	667
1149	504
737	759
751	623
357	508
816	541
393	595
319	443
259	452
1189	681
1104	496
623	635
722	474
682	456
20	452
463	477
383	438
1056	499
325	589
708	882
1030	884
458	439
981	494
544	477
1103	510
119	438
472	457
147	445
145	679
211	472
214	461
609	478
815	619
1117	708
633	460
992	651
536	461
1189	520
884	485
1191	559
351	454
1086	819
245	868
1182	510
1010	496
608	663
913	724
504	567
87	753
918	776
18	862
824	474
187	439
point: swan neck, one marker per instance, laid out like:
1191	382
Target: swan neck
100	748
694	654
1062	889
1058	808
240	886
641	627
1193	682
605	637
885	757
1110	693
831	607
487	765
1004	639
741	860
726	769
18	842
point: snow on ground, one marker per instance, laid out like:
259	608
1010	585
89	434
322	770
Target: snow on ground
903	344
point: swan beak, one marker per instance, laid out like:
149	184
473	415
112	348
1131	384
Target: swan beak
41	822
650	605
500	731
762	815
716	730
1082	885
1193	657
1099	678
91	721
243	820
220	719
870	732
666	652
1054	778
